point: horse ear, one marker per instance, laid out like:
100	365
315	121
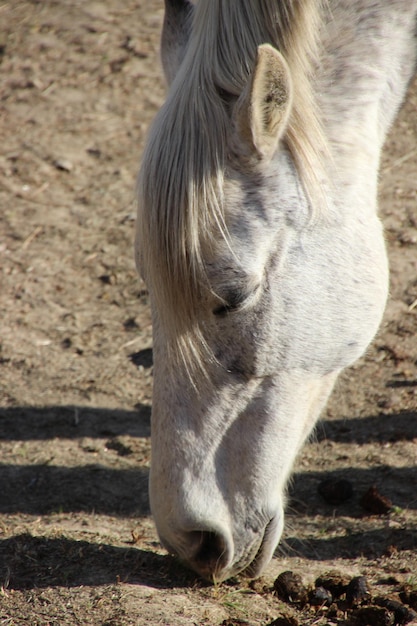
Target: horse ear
262	111
175	34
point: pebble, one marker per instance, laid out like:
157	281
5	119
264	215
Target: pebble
64	164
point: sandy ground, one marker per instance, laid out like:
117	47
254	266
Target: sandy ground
80	83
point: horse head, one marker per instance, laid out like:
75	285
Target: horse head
276	299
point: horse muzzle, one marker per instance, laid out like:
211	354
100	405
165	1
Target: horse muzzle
215	555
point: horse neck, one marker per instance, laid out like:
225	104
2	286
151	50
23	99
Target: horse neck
369	58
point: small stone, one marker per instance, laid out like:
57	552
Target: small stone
143	357
63	164
130	324
374	502
107	279
357	591
335	491
290	588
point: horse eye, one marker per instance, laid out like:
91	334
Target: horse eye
232	302
224	309
236	297
226	96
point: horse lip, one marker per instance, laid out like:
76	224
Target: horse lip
265	551
255	567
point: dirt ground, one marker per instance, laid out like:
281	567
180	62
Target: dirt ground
80	83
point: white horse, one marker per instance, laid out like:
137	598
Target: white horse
259	240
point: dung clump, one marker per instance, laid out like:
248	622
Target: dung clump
333	581
357	591
289	587
376	503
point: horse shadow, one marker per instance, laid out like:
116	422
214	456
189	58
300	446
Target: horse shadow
27	561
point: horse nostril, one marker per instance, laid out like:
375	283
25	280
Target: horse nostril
211	552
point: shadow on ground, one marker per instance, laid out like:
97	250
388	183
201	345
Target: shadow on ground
371	544
31	423
399	484
42	489
383	428
28	562
72	422
45	488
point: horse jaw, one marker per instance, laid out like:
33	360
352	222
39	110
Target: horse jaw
217	486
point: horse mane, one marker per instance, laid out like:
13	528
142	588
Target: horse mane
180	185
